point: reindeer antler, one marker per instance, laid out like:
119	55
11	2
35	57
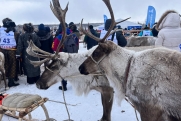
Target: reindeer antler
113	23
60	14
35	51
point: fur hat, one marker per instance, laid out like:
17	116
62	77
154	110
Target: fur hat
70	24
7	22
41	27
119	27
28	27
108	24
91	27
162	17
47	29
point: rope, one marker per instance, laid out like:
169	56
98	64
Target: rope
133	107
62	92
61	102
64	98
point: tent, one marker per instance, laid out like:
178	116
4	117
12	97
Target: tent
126	24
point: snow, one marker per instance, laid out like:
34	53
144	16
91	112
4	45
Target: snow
87	108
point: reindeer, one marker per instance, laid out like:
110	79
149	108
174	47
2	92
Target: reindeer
150	78
140	41
65	66
2	70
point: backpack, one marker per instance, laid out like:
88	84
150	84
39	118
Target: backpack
70	45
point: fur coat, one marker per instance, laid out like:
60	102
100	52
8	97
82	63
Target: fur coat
29	69
170	32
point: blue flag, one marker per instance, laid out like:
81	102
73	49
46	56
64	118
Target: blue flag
151	15
105	18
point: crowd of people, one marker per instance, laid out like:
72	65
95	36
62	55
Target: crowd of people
13	43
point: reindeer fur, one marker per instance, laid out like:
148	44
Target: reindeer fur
67	67
81	84
149	78
140	41
2	69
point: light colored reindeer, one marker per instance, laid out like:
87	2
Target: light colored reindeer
2	70
151	79
136	41
66	67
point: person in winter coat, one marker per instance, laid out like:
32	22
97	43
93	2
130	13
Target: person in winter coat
117	37
32	73
8	45
57	39
45	38
122	42
89	41
154	30
169	30
56	42
74	30
145	32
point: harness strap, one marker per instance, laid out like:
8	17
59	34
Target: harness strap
97	63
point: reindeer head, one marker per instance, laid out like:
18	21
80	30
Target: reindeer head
105	47
53	61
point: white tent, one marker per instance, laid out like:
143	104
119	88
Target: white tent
123	25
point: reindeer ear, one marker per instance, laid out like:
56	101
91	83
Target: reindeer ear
105	47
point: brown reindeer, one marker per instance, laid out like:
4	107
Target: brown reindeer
149	78
65	66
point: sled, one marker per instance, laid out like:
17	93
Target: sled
22	104
10	114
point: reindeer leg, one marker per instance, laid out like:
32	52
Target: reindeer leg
4	78
107	101
152	113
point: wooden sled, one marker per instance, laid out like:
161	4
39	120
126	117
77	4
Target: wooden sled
23	104
10	114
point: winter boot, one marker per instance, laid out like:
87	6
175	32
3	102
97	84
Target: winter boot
30	80
11	83
64	85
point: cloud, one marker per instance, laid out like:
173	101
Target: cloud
38	11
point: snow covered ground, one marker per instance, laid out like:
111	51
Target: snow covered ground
87	108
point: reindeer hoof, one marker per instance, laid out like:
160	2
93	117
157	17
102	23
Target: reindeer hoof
7	88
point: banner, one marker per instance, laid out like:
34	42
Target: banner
151	15
105	18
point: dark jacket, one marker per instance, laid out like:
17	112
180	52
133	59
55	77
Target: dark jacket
154	31
121	39
89	41
46	40
29	69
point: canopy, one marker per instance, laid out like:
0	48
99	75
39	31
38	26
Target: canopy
126	24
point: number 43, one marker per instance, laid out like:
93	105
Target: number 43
6	40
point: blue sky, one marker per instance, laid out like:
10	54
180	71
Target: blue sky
38	11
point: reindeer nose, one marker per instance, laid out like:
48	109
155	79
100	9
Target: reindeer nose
82	70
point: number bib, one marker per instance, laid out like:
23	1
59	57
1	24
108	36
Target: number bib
146	33
7	40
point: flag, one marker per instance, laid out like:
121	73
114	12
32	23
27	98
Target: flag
105	18
151	15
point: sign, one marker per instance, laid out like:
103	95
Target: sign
7	40
134	27
151	15
180	47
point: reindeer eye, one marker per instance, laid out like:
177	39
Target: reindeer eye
95	54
